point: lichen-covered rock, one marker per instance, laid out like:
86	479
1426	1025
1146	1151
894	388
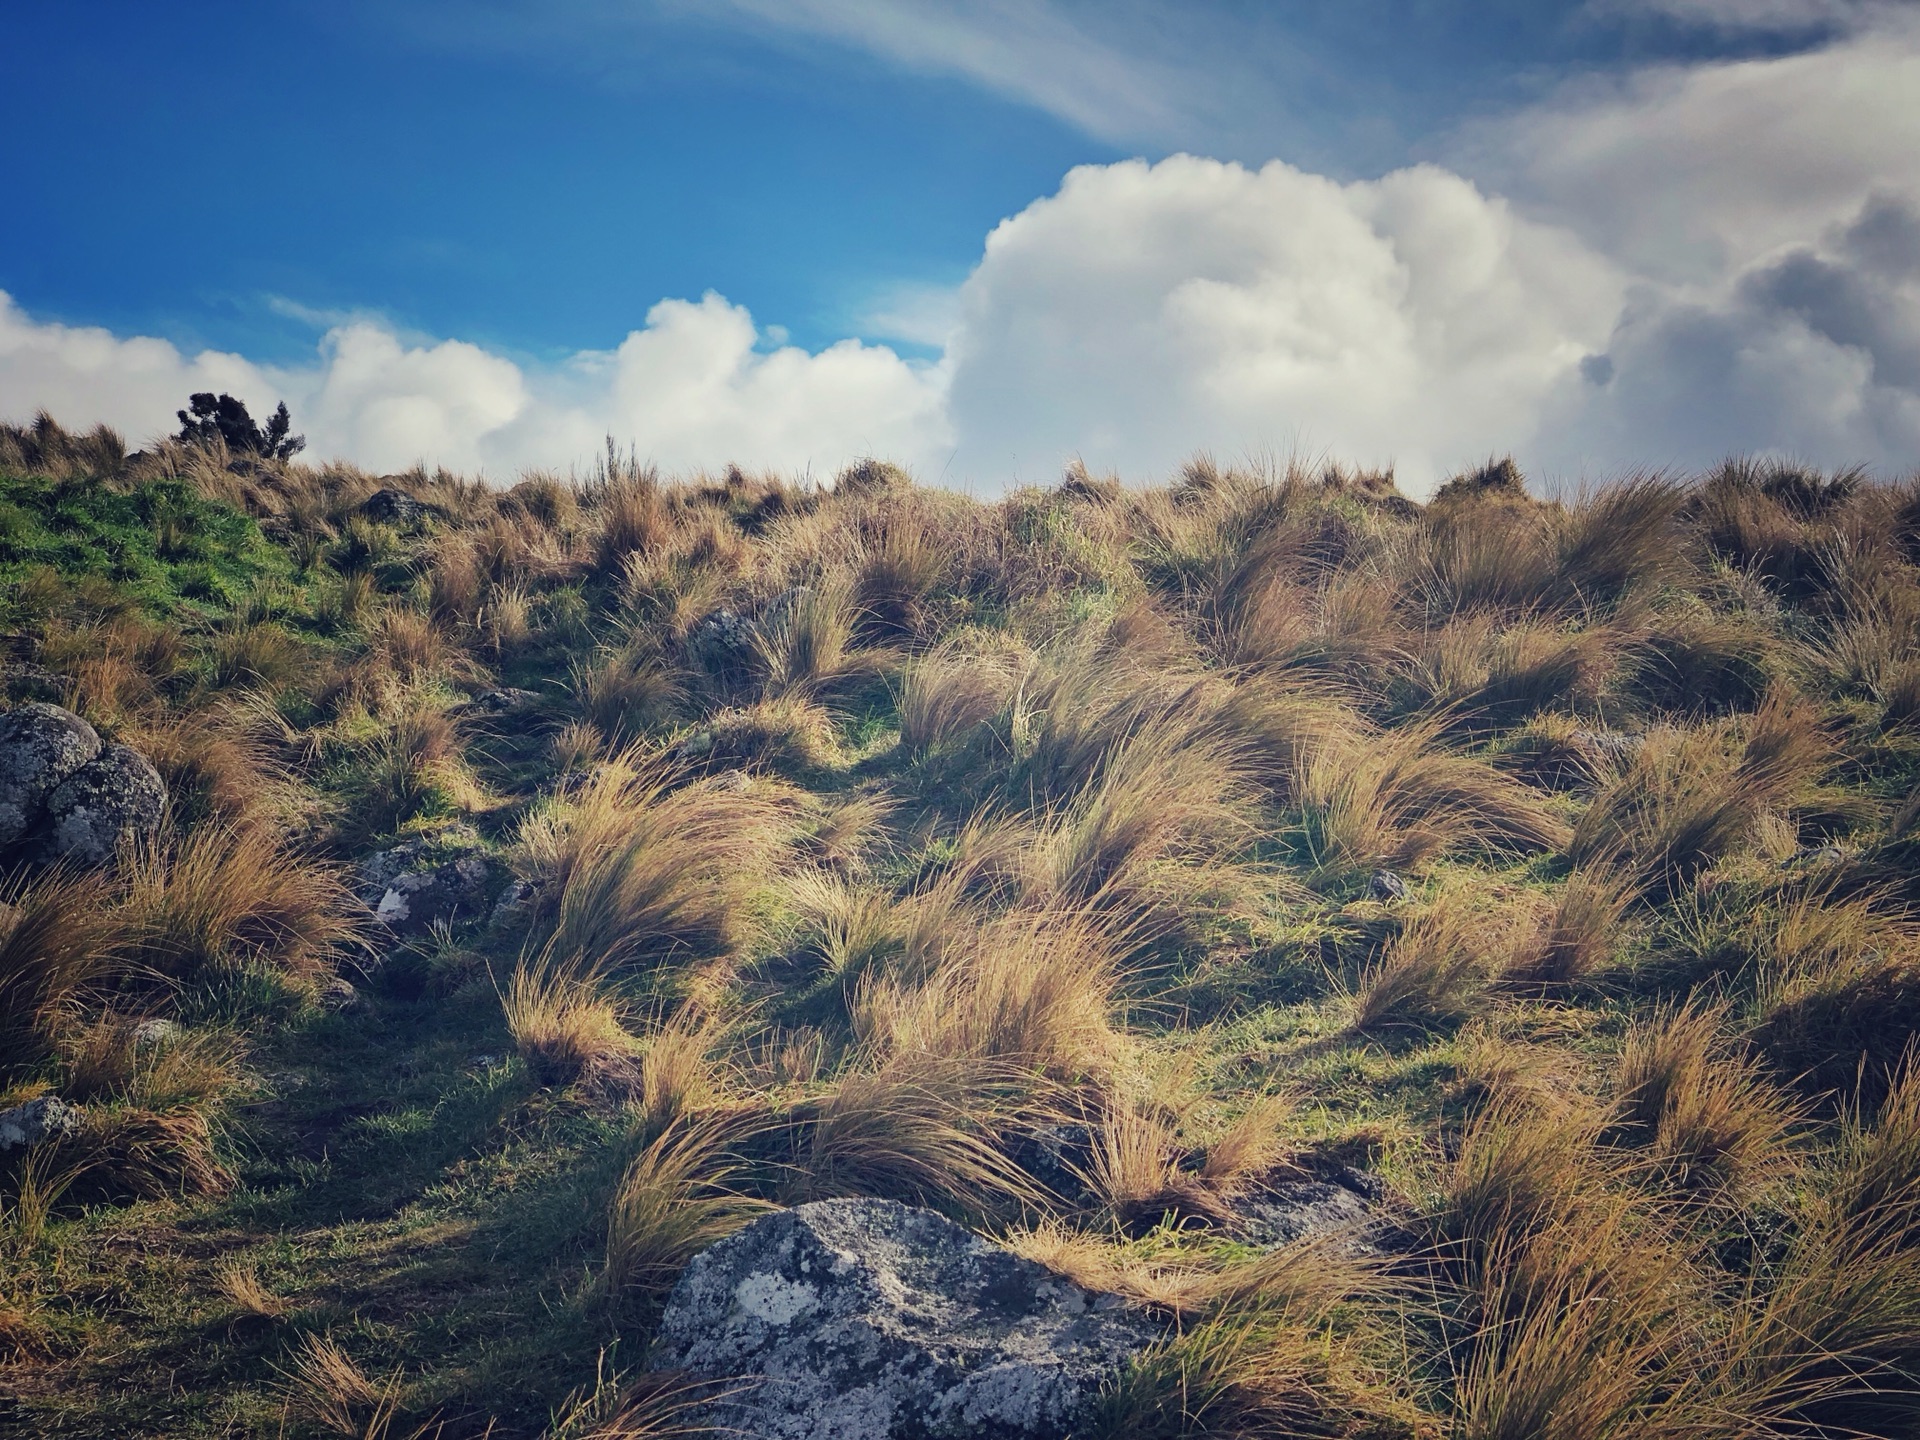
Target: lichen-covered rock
40	746
427	879
503	701
394	507
1385	885
1286	1211
106	802
871	1320
25	1126
722	641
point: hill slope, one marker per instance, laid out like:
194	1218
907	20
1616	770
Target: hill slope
733	844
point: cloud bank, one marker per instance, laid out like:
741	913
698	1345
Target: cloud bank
1660	272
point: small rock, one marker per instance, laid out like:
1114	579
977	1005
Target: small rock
1280	1213
25	1126
871	1320
484	1063
514	905
500	702
1385	885
777	610
722	641
1814	855
423	881
106	802
394	507
150	1033
40	747
1058	1156
27	680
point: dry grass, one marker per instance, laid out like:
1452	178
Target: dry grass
1705	1115
224	896
1397	799
561	1019
1029	991
1431	974
948	696
673	1201
1578	934
1132	722
652	873
1690	797
59	940
241	1287
919	1130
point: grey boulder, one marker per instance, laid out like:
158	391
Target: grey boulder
1283	1212
723	641
114	798
25	1126
420	882
872	1320
40	746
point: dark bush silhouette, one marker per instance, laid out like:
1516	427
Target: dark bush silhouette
210	416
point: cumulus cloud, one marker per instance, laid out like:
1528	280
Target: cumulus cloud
1688	174
1146	311
1813	351
693	388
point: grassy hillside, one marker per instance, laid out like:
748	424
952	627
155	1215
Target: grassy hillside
1552	862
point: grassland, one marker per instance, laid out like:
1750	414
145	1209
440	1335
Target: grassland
1552	861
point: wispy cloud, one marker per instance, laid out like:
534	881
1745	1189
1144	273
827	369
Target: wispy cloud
1084	67
1738	17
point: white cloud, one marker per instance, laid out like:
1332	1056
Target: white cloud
1147	311
690	389
1029	50
1690	174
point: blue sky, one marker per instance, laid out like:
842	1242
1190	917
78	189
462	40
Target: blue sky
443	230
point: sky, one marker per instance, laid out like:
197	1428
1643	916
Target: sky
980	238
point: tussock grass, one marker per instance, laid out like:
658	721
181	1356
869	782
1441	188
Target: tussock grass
1707	1117
1430	974
222	897
1399	798
1690	797
561	1019
59	938
646	872
1628	1066
672	1202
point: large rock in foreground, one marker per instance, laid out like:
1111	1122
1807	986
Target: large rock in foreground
40	746
64	797
111	799
871	1320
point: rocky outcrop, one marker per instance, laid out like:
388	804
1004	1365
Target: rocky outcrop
66	797
426	880
25	1126
871	1320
